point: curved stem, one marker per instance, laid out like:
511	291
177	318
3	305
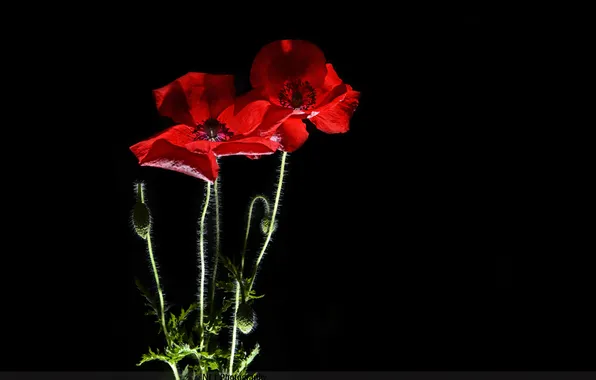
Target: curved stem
175	370
252	204
234	329
155	274
273	215
202	262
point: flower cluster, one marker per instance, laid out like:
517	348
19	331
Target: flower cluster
291	82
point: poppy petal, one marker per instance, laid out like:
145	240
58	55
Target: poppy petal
331	88
331	79
250	146
292	134
195	97
171	102
165	155
179	135
208	94
274	117
247	119
283	60
335	117
251	96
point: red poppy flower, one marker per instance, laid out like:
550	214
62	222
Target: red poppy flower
293	82
203	106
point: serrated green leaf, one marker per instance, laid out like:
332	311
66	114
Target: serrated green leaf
227	263
244	363
150	301
185	313
252	295
153	356
226	305
227	286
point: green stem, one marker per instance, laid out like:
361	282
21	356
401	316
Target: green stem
252	204
202	263
234	329
199	361
217	246
217	253
156	275
175	370
273	215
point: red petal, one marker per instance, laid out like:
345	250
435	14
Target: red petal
335	116
179	135
331	88
171	102
171	157
250	146
332	79
292	133
247	119
274	117
195	97
287	59
209	94
199	146
251	96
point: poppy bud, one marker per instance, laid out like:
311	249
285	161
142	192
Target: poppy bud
246	318
141	219
265	223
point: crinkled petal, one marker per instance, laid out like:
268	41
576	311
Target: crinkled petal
335	117
274	117
331	79
250	146
292	134
247	119
283	60
178	135
199	146
331	88
195	97
165	155
209	95
171	102
251	96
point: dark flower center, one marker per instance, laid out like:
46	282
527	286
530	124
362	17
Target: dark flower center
297	95
212	130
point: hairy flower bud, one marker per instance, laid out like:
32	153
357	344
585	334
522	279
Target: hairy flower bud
141	219
265	223
246	318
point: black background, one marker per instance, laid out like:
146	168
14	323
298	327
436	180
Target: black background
414	241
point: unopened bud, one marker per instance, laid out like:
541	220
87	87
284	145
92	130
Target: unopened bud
265	224
141	219
246	318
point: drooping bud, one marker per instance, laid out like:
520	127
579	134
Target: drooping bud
141	219
246	318
265	224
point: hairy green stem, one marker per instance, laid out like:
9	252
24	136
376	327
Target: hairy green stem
234	329
217	242
202	263
273	215
217	253
154	266
252	204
